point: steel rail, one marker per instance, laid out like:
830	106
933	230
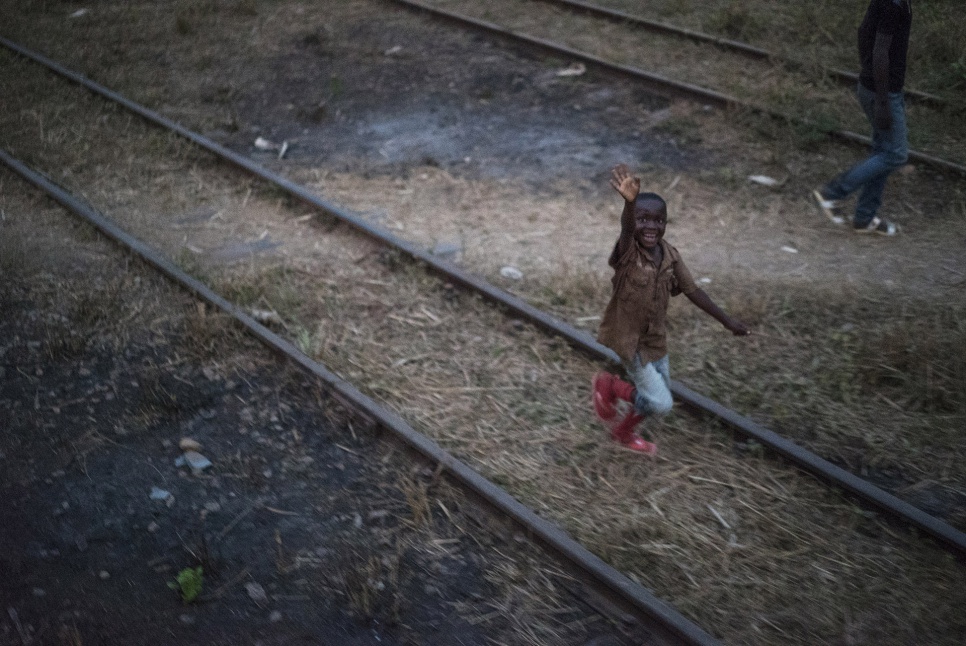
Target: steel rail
843	76
664	85
947	535
679	629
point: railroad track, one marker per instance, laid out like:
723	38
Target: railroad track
651	620
844	77
659	83
804	459
580	340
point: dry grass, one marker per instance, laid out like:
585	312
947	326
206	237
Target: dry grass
800	90
743	545
839	372
376	582
822	33
510	401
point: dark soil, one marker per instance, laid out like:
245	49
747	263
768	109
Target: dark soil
102	372
389	96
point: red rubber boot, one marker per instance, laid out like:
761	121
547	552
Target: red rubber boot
624	433
607	389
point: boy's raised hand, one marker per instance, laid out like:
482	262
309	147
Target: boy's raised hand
624	183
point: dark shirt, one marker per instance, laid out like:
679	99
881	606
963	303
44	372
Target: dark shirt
635	321
890	17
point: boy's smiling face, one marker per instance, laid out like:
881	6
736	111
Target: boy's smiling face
650	219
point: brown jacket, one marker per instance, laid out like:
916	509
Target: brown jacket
635	319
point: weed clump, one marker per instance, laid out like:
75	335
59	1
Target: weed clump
189	583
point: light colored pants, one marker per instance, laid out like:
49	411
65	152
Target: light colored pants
653	383
890	150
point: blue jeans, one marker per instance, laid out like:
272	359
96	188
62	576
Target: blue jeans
890	150
653	383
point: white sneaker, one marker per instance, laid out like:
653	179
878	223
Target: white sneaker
831	208
880	226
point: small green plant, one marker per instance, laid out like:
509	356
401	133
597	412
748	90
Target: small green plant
188	582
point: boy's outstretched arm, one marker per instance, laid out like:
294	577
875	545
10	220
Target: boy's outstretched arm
702	300
628	186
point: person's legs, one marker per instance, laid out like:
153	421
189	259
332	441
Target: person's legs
653	384
651	396
890	150
606	390
663	368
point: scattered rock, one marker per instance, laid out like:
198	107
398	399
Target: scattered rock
447	249
104	575
39	592
275	617
511	272
186	619
267	317
196	461
574	69
256	592
189	444
153	527
212	506
764	180
395	49
161	494
264	144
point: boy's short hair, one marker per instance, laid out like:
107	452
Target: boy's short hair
650	197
